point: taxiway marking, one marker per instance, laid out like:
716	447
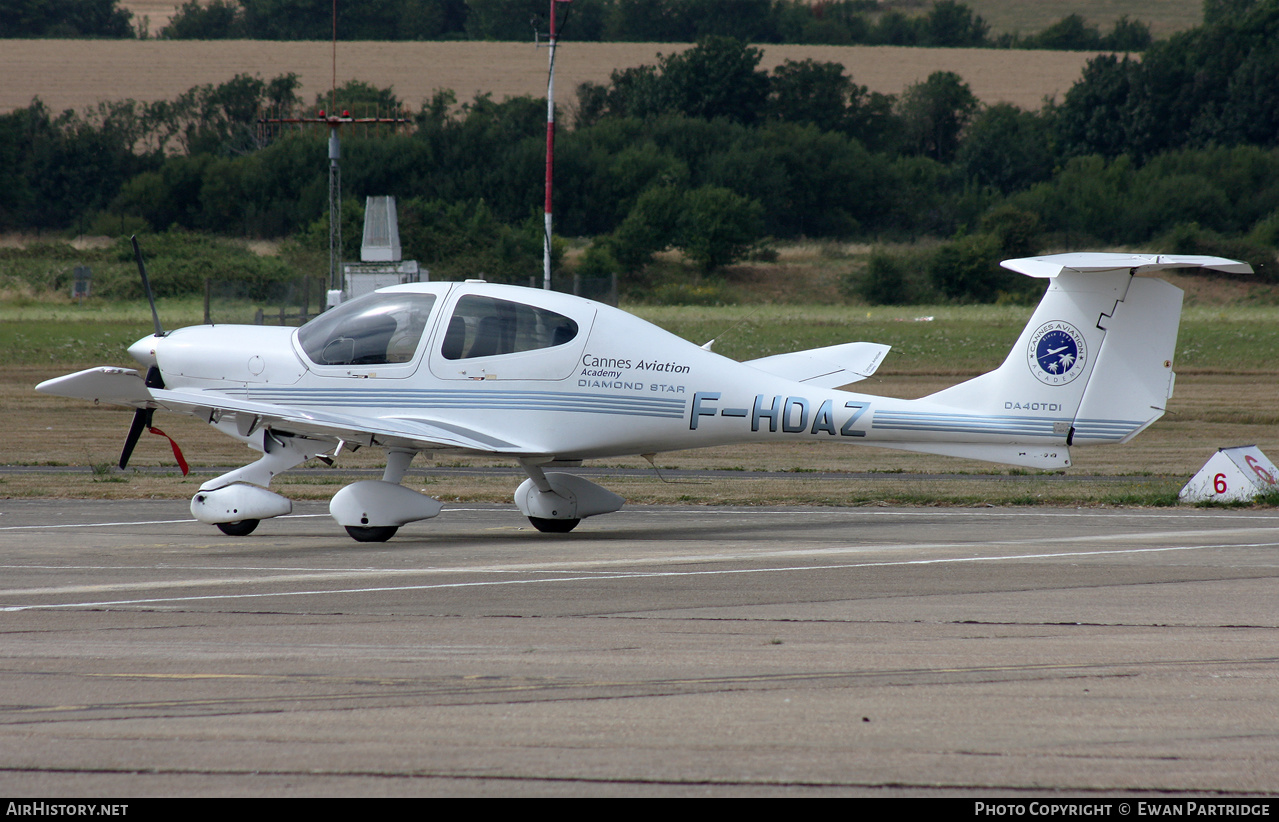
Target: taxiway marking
624	575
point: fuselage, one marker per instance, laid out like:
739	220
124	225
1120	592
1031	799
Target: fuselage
554	373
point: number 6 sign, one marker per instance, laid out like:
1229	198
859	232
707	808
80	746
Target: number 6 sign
1235	474
1257	467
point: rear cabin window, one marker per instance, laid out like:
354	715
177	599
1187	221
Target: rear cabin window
373	330
487	327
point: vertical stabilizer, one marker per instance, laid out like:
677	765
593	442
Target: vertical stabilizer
1096	357
1050	367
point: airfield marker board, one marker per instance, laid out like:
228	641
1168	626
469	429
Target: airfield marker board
1235	474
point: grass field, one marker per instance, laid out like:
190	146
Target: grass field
1227	394
1028	16
941	340
1209	411
79	73
1024	16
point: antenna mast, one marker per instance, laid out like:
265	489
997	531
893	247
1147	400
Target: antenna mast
335	170
334	122
550	148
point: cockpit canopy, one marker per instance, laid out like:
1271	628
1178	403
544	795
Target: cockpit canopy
387	327
378	328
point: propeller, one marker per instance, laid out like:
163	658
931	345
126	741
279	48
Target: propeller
146	286
142	417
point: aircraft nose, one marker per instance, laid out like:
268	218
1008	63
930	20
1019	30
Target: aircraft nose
144	350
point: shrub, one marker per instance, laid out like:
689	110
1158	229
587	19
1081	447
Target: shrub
884	281
967	270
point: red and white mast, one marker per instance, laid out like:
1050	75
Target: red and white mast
550	149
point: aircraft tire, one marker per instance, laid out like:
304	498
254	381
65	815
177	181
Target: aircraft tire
372	533
554	526
239	528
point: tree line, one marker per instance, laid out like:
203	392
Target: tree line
832	22
65	18
706	152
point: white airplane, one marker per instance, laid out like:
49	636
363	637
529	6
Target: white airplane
550	380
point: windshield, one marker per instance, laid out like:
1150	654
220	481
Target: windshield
371	330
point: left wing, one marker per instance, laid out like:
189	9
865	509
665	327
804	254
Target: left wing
409	432
125	386
116	386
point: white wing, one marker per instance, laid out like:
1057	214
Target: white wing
115	386
124	386
828	367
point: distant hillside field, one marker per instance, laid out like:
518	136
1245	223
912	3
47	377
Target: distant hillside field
79	73
1023	16
1029	16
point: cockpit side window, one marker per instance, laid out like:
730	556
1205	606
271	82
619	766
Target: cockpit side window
486	327
372	330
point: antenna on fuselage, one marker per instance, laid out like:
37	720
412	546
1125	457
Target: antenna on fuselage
651	459
706	346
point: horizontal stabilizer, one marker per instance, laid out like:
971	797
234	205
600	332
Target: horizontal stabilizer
1087	261
1044	457
114	386
828	367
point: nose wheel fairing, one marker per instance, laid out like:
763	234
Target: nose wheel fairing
238	503
241	496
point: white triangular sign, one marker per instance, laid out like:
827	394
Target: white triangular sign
1232	475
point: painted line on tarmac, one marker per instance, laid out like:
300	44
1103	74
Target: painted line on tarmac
140	522
643	575
696	511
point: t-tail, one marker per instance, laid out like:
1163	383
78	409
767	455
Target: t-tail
1093	365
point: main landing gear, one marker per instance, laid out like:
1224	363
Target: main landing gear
554	526
374	510
374	533
555	503
240	528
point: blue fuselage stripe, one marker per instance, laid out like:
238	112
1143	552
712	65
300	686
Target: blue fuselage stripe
473	400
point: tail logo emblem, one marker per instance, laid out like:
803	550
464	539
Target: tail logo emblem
1057	353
